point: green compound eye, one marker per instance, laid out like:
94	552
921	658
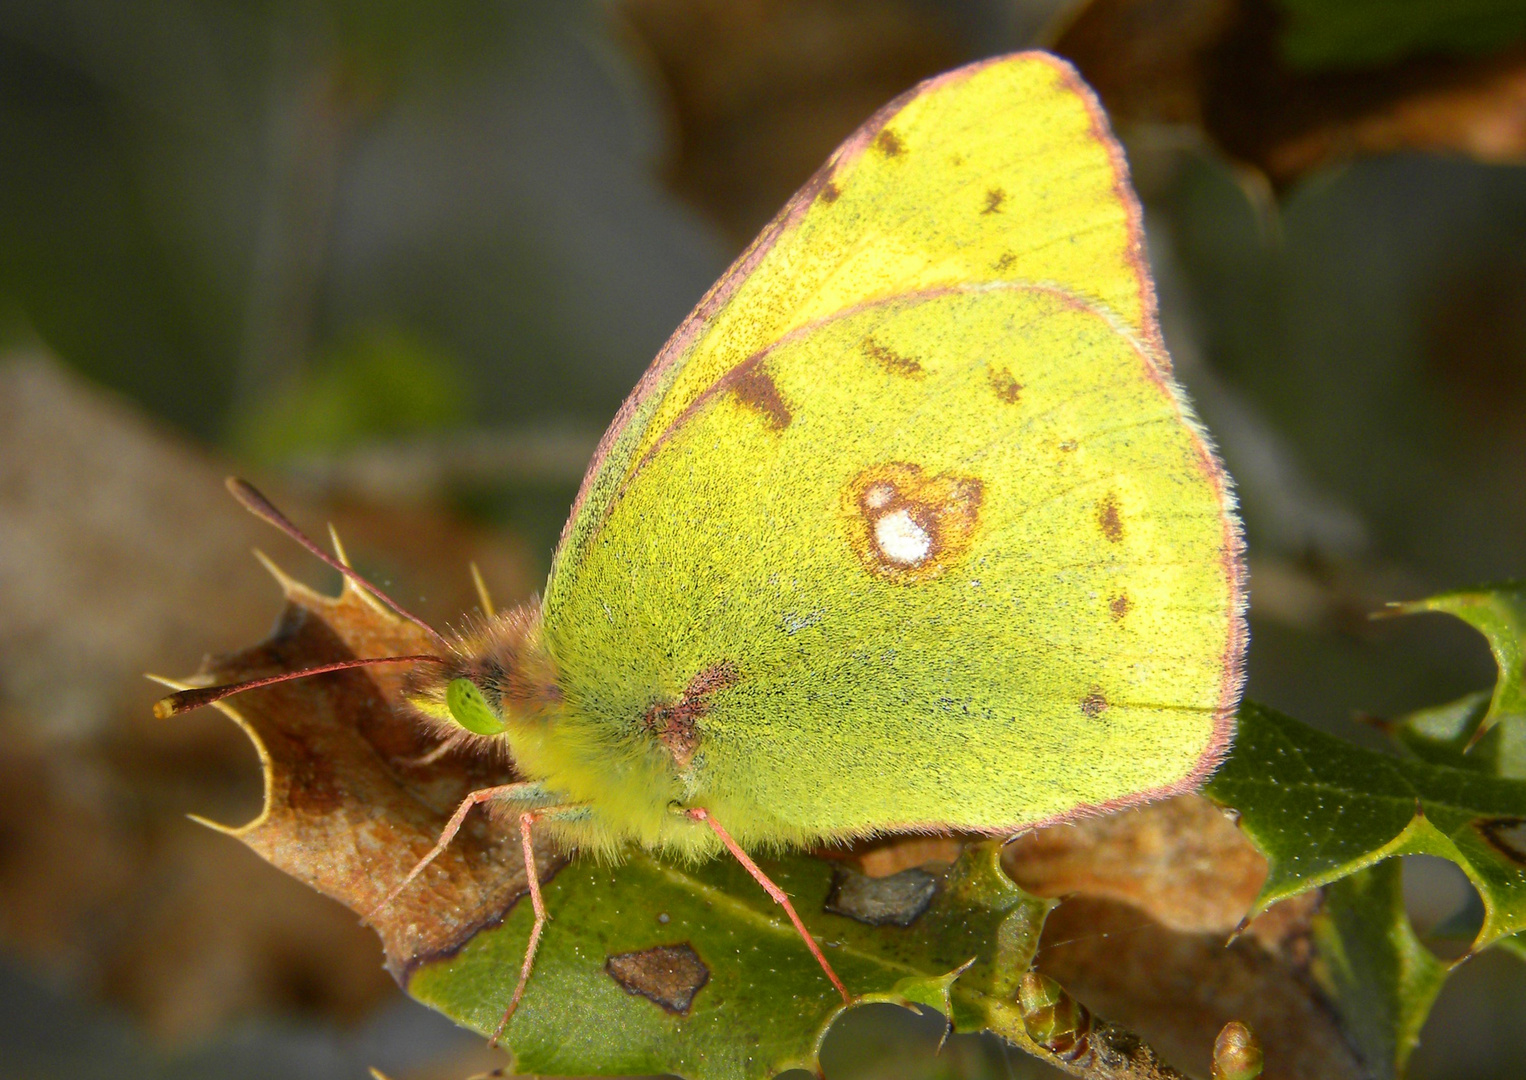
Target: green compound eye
470	709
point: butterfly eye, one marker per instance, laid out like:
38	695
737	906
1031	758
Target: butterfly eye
470	709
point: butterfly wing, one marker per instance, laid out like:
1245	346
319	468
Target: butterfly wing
1003	170
893	538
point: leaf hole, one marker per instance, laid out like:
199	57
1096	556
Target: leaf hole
875	1041
1442	904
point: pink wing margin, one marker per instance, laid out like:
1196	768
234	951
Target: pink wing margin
656	378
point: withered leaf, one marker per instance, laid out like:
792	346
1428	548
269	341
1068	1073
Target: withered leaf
1223	66
346	810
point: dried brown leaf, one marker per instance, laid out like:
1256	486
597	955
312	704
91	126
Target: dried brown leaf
759	92
1218	65
1180	860
1177	990
1151	898
346	810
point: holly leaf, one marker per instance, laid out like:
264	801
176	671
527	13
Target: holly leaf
1373	968
1483	731
1321	809
1515	945
697	973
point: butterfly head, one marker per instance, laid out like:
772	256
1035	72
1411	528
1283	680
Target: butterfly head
496	676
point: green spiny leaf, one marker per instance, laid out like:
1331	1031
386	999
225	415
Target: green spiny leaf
1320	809
1499	613
1483	731
1374	968
735	994
1515	944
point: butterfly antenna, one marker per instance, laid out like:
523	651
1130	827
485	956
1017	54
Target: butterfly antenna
250	499
483	596
186	700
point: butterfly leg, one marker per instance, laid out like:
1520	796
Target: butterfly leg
432	756
532	876
778	894
504	792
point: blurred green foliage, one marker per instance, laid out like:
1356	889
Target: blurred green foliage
375	383
1358	33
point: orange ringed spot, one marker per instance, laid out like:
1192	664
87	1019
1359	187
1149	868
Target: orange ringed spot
906	526
902	539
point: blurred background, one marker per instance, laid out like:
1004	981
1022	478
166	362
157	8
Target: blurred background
401	262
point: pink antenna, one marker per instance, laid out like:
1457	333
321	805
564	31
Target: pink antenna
250	499
186	700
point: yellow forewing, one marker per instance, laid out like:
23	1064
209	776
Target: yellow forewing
1000	171
960	555
907	525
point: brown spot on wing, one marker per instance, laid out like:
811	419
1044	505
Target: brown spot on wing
1005	261
889	143
891	360
994	198
751	384
675	724
829	192
1119	606
1094	702
1007	388
713	678
907	526
1507	836
1108	519
667	975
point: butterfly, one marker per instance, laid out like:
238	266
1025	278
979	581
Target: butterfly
907	528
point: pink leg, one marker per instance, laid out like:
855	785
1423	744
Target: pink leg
434	755
452	827
526	819
699	814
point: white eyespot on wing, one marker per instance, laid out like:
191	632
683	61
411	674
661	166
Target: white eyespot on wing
901	540
879	496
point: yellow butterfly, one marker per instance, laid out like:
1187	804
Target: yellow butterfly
908	526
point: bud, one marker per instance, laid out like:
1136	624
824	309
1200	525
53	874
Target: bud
1236	1053
1055	1020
